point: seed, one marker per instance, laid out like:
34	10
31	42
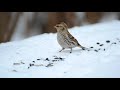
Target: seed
101	44
99	49
33	61
30	64
96	50
97	43
114	43
47	59
108	41
54	60
91	47
16	63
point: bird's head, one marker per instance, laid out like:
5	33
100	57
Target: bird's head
61	27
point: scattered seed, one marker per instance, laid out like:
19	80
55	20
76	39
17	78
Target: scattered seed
60	58
16	63
38	59
88	50
104	49
30	64
108	41
99	49
50	64
54	60
91	47
101	44
114	43
22	62
97	43
33	61
96	50
47	59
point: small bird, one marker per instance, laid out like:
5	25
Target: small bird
65	39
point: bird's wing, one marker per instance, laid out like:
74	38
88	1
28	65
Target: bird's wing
71	38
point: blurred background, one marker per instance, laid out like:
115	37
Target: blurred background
16	26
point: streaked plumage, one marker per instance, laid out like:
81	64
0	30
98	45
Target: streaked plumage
65	39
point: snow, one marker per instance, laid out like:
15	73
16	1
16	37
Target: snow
78	64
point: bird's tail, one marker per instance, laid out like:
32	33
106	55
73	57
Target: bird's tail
83	48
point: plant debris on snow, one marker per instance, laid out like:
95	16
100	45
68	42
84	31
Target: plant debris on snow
50	62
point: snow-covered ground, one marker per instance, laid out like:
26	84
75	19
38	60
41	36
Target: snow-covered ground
39	56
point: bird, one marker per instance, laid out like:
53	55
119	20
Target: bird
65	39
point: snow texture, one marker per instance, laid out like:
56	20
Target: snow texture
39	56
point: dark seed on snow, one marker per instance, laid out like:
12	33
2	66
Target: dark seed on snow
98	43
47	59
61	58
54	60
50	64
104	49
91	47
96	50
99	49
16	63
33	61
38	59
107	41
22	62
88	50
115	43
30	65
101	44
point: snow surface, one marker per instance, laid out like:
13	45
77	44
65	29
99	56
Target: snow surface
78	64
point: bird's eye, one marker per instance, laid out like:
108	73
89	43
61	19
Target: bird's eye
57	26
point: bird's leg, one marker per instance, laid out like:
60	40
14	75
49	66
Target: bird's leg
71	50
62	49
